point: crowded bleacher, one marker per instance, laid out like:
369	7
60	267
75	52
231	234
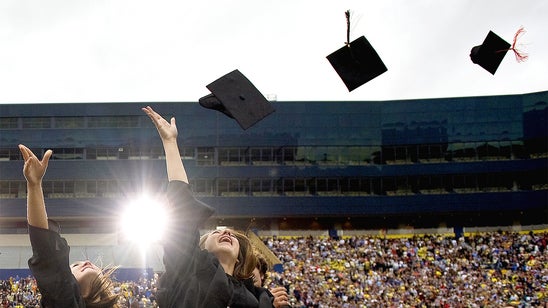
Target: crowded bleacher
495	269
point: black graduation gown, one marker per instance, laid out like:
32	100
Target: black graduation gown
194	277
49	264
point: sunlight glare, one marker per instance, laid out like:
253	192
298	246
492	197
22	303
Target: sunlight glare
143	220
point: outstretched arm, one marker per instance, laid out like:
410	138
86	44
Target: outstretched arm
168	133
34	171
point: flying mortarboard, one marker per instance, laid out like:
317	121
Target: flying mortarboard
491	52
235	96
357	62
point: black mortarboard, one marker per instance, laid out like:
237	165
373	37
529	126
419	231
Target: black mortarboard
357	63
235	96
490	53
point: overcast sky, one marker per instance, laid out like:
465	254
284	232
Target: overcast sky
146	51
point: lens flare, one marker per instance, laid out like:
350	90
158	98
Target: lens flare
143	220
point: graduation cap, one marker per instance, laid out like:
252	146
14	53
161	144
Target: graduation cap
491	52
357	62
235	96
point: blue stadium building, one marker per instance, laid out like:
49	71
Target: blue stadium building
455	162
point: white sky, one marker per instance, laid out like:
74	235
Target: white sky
137	51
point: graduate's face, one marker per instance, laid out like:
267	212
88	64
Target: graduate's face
85	272
222	242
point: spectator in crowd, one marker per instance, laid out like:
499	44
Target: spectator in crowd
486	270
212	271
370	271
260	271
139	293
279	294
81	284
19	291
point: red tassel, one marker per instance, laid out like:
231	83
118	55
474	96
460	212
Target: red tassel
520	55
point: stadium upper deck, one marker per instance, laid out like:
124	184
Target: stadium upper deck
466	161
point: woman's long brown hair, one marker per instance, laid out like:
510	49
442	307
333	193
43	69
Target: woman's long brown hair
101	294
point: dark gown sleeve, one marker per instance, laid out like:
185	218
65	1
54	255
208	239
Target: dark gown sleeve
49	264
263	295
194	277
181	250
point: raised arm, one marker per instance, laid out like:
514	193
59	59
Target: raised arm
34	171
168	133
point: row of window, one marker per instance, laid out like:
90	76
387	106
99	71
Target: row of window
72	122
90	188
429	184
331	155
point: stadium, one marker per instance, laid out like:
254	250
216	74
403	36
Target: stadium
343	182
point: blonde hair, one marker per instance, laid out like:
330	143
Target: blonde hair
101	294
247	261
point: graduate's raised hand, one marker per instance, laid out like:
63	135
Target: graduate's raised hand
34	169
168	133
167	130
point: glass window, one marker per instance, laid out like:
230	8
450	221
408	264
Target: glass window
47	187
230	187
10	154
58	187
358	155
67	153
9	189
205	156
424	152
262	185
91	153
158	152
463	151
431	152
126	153
135	153
289	155
91	187
113	121
232	156
327	155
262	155
465	183
403	183
69	122
108	188
389	154
105	153
288	185
305	155
203	187
389	185
114	187
301	185
487	150
401	154
355	186
7	123
36	122
327	185
4	187
186	152
102	187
